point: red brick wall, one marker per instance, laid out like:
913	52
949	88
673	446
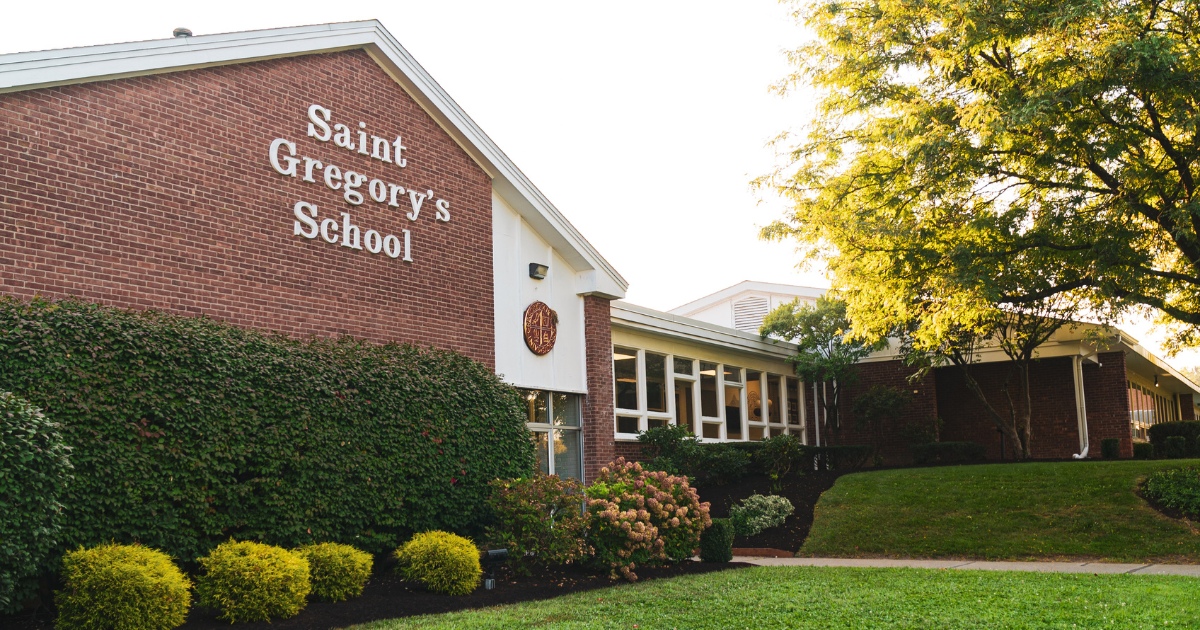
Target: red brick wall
892	436
598	428
1055	430
156	192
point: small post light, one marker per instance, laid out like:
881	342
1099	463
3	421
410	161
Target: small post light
491	559
538	271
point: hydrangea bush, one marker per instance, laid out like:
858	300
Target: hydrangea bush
759	512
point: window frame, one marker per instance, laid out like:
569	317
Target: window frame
549	427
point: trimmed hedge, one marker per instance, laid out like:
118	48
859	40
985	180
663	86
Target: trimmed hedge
122	586
716	543
443	562
947	452
249	581
34	475
1159	433
1143	450
1110	448
187	431
1176	488
337	572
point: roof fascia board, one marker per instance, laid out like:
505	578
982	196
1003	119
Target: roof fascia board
664	324
746	286
28	71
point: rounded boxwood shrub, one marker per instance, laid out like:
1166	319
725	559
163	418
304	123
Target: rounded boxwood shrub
34	473
122	586
441	561
1176	489
759	512
1110	448
338	572
1143	450
249	581
716	543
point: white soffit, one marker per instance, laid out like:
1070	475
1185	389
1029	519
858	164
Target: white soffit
33	70
640	318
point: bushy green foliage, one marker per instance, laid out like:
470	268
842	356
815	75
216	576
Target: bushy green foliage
758	512
1110	448
130	587
849	456
780	455
35	470
1159	433
249	581
186	431
1175	447
1143	450
443	562
539	520
947	453
676	451
716	543
1176	488
641	517
337	572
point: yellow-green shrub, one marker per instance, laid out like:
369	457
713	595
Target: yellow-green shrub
443	562
122	586
249	581
338	572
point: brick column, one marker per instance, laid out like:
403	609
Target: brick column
599	444
1107	403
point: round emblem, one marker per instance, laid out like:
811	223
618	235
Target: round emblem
541	328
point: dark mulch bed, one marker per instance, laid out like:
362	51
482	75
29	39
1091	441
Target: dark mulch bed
803	492
387	597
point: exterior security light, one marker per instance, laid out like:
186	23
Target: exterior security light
538	271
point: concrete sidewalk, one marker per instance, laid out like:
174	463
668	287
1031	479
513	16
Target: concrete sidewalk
1192	570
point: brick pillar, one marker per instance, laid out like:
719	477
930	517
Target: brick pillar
1107	403
599	443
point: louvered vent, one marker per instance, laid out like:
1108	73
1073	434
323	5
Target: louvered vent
748	313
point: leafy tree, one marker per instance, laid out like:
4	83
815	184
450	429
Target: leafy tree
827	354
877	405
1001	155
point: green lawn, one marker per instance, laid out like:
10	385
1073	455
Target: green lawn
1015	511
820	597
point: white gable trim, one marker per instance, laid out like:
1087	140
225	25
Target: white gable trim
34	70
748	287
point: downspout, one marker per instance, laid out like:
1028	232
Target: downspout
817	413
1080	407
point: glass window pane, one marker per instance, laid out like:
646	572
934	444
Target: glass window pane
535	406
774	407
568	463
656	382
708	390
732	374
733	412
541	445
793	398
625	424
657	422
683	366
625	374
754	397
684	412
712	430
566	410
756	433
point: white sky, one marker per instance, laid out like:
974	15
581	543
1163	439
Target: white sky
643	121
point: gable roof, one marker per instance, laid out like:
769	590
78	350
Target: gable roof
746	286
34	70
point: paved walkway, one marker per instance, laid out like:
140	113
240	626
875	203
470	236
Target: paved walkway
979	565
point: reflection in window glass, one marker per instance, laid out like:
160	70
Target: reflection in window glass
536	403
566	410
541	445
733	412
657	422
568	463
756	433
656	382
773	404
625	424
754	396
712	430
708	390
684	413
793	398
625	374
732	374
683	366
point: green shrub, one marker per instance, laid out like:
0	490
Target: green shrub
674	450
337	572
779	455
1177	489
947	453
443	562
539	520
249	581
1175	447
34	474
641	517
759	512
716	543
1143	450
214	431
122	586
1110	448
1159	433
848	457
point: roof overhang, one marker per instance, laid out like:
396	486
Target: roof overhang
646	320
34	70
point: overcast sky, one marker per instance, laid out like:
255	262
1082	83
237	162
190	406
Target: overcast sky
642	121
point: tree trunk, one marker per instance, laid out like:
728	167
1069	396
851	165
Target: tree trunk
1006	428
1026	429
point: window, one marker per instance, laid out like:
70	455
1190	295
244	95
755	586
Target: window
1147	407
625	373
553	420
656	382
755	413
735	406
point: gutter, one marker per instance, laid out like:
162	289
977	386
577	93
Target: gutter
1080	407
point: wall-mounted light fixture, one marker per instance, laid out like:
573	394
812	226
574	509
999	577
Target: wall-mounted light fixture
1156	380
538	271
